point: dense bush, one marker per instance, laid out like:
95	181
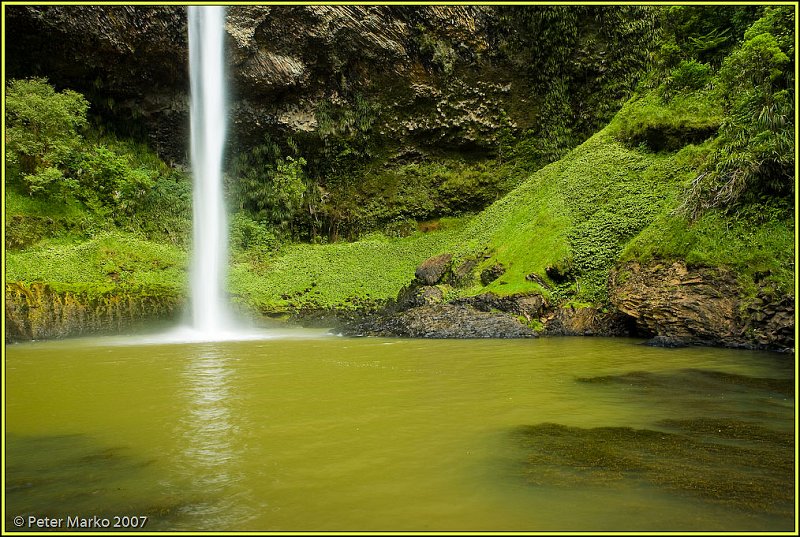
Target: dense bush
268	185
248	235
688	75
55	158
653	124
579	64
705	34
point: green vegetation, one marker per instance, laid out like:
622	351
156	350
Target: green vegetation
87	213
653	124
743	58
574	215
393	200
42	134
80	180
578	63
623	194
341	189
109	259
358	275
698	166
758	247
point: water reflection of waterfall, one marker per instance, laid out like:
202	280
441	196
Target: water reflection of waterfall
211	457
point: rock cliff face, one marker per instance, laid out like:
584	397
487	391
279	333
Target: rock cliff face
435	76
128	60
679	305
38	311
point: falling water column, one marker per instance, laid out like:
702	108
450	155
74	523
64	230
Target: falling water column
208	111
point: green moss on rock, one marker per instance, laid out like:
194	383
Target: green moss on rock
43	311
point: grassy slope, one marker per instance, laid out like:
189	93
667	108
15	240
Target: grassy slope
578	211
342	275
101	263
581	211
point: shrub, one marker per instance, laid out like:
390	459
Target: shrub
688	75
248	235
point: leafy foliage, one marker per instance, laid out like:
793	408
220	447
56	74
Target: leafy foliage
711	130
757	246
701	33
268	185
755	150
655	125
42	132
579	64
688	75
345	276
397	197
248	235
108	259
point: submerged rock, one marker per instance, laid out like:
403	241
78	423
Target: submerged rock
736	463
76	475
695	381
666	342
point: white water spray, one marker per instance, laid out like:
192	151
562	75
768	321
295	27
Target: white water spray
210	314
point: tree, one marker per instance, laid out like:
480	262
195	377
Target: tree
42	131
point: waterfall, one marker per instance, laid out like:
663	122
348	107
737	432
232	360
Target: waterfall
210	314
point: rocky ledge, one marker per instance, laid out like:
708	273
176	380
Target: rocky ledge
442	321
39	311
678	305
668	302
422	311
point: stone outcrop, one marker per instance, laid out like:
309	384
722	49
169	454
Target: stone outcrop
667	302
587	321
529	306
490	274
705	306
442	321
130	61
436	76
421	310
431	271
39	311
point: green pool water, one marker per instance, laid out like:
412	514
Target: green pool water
316	432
